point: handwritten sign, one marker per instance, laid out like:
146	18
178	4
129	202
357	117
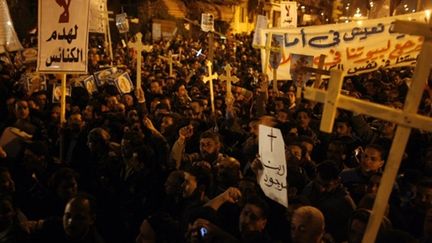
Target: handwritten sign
354	48
63	36
288	14
273	179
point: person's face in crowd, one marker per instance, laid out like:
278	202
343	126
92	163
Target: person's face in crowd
7	185
22	110
370	88
293	151
182	91
282	116
55	114
128	100
388	129
111	102
303	119
356	231
325	185
132	116
75	121
41	100
155	88
88	113
167	122
173	184
7	214
371	160
279	105
423	198
67	189
195	91
336	152
251	219
209	149
77	219
292	97
342	129
189	185
196	107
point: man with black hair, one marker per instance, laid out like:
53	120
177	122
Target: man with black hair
327	193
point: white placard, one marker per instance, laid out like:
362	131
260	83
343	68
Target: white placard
273	177
98	12
260	24
63	36
354	48
288	14
207	22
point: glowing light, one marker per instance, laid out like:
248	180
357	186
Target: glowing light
302	7
428	14
9	23
358	13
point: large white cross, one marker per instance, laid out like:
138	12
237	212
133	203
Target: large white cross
211	76
138	47
228	78
406	119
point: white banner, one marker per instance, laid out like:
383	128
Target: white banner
63	36
288	14
356	47
273	178
98	15
8	38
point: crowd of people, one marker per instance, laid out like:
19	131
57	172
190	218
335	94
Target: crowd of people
158	165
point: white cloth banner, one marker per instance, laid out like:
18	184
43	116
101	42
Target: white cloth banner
98	15
273	178
356	47
288	14
63	36
8	38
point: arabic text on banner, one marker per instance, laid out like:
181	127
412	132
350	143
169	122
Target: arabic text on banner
63	36
273	178
356	47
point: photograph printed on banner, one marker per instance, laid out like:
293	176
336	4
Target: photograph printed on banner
56	93
124	83
102	76
298	75
35	82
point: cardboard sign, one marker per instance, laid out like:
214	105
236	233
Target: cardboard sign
273	178
299	76
63	36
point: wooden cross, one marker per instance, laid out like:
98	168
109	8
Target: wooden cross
228	79
268	49
138	47
170	61
406	119
211	76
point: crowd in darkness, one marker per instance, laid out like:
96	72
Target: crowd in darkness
157	165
